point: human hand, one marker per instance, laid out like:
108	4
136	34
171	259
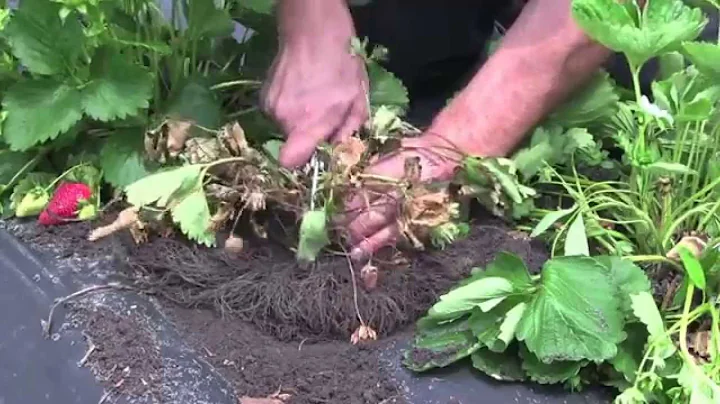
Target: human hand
371	215
316	91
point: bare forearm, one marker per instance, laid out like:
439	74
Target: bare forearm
541	60
314	21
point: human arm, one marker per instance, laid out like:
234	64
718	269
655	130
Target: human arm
541	60
316	89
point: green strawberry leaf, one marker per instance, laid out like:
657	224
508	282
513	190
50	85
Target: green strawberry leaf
195	102
192	214
41	40
161	187
645	309
85	174
122	158
595	102
258	6
575	314
313	235
504	265
662	26
205	20
117	89
38	111
705	56
386	89
441	346
496	328
548	373
628	278
464	299
502	366
630	352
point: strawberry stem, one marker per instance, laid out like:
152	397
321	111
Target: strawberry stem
25	168
63	175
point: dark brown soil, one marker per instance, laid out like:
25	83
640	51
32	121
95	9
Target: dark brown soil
122	354
258	366
310	310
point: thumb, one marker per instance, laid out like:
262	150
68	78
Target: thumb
301	144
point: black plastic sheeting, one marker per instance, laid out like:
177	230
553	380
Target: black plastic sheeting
37	370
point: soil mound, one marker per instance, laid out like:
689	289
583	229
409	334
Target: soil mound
265	286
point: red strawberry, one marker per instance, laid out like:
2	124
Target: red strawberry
65	203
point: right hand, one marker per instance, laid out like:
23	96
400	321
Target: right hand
316	91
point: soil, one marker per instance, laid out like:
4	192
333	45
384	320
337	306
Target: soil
122	353
289	342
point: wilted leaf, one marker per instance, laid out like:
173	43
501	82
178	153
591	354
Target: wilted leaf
349	153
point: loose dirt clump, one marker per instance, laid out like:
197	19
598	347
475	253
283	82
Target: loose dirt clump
265	286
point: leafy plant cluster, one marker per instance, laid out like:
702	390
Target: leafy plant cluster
617	179
162	105
118	85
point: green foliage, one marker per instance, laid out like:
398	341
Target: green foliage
639	32
313	235
518	326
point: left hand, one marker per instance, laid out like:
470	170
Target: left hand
370	217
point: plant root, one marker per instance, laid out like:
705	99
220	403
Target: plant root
47	324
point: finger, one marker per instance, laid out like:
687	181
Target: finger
302	142
386	237
356	117
382	212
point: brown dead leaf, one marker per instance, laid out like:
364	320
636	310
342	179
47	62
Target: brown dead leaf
233	135
202	150
223	193
349	153
362	334
126	219
178	132
412	170
223	214
694	244
430	210
699	343
369	276
155	142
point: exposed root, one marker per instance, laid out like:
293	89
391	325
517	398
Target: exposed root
47	324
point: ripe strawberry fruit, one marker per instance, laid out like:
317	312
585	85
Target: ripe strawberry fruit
65	203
